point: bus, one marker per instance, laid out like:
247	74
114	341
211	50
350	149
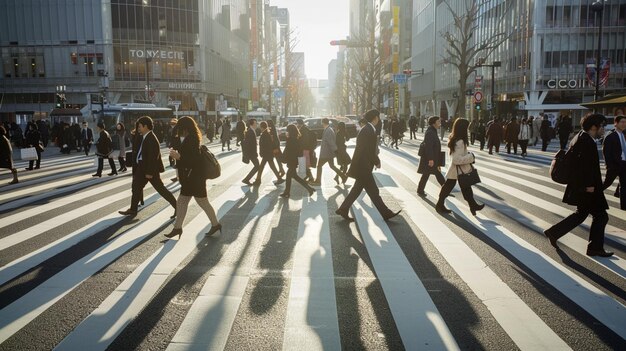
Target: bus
128	114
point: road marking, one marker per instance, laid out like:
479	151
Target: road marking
518	320
311	321
419	323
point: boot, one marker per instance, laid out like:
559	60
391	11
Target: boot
14	181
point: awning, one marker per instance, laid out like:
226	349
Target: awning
612	100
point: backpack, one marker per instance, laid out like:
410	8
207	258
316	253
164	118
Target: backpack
209	165
561	166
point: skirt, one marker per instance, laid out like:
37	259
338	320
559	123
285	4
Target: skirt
191	185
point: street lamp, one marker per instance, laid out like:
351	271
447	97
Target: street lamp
493	80
598	8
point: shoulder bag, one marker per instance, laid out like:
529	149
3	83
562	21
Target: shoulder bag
467	179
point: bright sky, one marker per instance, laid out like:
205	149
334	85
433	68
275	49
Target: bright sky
316	23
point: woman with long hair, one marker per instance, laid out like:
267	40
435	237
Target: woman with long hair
461	162
120	133
193	183
343	158
292	151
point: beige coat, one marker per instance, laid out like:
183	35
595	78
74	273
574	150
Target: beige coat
460	157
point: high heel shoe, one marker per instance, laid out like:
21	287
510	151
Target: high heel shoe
214	229
442	209
476	208
174	232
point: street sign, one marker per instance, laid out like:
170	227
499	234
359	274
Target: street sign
478	82
489	106
279	93
478	96
399	78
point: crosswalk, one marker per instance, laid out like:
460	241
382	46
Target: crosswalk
292	275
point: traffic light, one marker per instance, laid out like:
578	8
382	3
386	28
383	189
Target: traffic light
58	103
477	106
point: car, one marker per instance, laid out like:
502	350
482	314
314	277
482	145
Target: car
315	124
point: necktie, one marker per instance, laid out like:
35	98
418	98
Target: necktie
622	140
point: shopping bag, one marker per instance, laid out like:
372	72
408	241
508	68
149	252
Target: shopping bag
28	154
301	167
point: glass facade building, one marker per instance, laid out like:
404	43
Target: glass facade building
164	50
545	57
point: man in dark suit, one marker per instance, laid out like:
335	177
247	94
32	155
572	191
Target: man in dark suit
584	188
363	162
430	160
147	166
250	152
86	138
614	150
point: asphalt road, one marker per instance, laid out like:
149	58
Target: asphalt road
291	274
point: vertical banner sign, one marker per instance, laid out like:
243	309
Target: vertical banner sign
396	98
395	38
605	67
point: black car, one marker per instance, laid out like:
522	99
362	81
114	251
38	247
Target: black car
315	124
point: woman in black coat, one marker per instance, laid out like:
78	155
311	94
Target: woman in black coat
430	159
6	154
343	158
33	139
104	148
193	184
266	151
292	151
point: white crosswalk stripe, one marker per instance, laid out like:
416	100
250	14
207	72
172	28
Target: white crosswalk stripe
308	309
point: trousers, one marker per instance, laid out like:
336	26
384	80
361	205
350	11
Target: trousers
368	183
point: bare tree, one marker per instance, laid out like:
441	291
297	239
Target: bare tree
464	46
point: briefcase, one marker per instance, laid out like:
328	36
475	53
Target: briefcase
442	158
28	154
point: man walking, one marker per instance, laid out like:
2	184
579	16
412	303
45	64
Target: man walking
363	162
614	150
147	166
413	127
86	138
240	129
584	188
430	158
250	152
327	153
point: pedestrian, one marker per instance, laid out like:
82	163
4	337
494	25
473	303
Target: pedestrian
17	135
33	139
76	136
173	142
584	188
192	181
240	130
494	135
210	131
545	131
481	133
430	158
422	123
473	128
564	128
67	139
444	126
524	136
395	130
276	147
250	152
343	158
86	138
614	150
308	139
537	128
512	132
291	153
44	129
225	133
104	149
147	166
6	154
364	160
461	162
328	151
413	127
266	151
123	142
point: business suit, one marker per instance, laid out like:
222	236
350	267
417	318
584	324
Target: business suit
250	153
327	154
266	149
615	163
147	162
432	152
587	174
86	139
363	161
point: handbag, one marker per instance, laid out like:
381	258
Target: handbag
467	179
301	167
28	154
128	161
209	165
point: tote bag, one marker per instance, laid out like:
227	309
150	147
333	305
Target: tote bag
28	154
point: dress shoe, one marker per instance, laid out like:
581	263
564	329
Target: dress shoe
279	181
553	240
476	208
15	181
28	169
174	215
281	173
345	215
311	192
421	194
37	167
174	232
442	209
129	212
600	253
284	195
214	229
112	174
391	215
96	175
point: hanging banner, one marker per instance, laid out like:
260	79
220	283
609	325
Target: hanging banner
605	67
